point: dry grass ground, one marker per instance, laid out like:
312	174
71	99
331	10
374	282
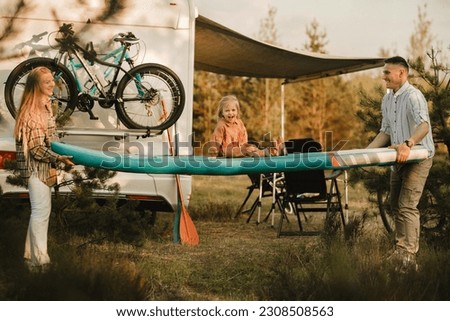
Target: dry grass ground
234	261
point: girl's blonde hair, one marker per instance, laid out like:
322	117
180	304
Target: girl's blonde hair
31	105
225	101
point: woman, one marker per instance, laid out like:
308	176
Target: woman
34	131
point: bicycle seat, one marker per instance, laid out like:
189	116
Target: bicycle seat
127	37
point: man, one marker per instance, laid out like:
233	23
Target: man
405	123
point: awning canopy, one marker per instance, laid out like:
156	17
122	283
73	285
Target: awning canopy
224	51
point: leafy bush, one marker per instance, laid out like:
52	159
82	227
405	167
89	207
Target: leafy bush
83	214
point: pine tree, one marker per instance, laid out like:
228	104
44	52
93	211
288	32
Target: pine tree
421	39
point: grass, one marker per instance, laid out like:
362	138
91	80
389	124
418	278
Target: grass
234	261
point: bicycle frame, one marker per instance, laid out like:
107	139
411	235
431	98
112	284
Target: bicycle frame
74	67
73	49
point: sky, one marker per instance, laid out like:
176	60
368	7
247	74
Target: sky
354	28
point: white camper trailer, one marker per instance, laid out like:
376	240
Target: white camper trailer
165	30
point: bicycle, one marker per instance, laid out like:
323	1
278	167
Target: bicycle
147	96
431	218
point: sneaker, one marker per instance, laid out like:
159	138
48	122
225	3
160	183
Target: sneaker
395	258
403	261
408	264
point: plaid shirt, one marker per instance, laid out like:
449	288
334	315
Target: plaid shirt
38	157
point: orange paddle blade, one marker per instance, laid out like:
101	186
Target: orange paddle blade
188	232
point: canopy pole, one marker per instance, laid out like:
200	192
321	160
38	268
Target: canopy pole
282	111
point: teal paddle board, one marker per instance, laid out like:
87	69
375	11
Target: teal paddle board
114	159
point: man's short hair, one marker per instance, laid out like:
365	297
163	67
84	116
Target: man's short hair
397	60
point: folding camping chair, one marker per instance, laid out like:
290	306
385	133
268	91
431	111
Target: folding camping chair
267	185
258	184
310	190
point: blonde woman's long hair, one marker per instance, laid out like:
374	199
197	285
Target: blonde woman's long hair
226	100
31	104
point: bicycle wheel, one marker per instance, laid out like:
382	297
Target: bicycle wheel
65	91
384	208
430	217
150	96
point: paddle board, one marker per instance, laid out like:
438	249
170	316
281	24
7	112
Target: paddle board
114	159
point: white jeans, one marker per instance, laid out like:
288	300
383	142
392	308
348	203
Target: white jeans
36	241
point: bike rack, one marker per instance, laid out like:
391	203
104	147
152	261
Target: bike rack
123	134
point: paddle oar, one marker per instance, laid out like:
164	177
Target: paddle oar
188	232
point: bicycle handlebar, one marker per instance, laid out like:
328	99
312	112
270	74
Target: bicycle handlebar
67	29
68	42
67	35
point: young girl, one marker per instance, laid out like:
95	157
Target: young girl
230	135
34	131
